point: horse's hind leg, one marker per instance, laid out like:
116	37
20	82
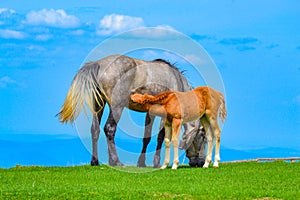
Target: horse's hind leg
217	136
95	131
110	130
217	151
209	137
214	136
167	145
146	140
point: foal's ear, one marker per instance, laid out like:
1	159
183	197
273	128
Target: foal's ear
137	98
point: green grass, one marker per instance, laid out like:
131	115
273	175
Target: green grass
267	180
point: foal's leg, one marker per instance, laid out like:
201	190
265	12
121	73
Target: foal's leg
209	138
110	130
216	135
167	145
95	131
147	137
176	124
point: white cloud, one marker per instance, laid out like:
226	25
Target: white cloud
35	48
150	55
77	32
111	24
12	34
159	31
43	37
9	17
194	59
54	18
5	81
6	10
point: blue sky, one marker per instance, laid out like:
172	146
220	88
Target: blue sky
254	44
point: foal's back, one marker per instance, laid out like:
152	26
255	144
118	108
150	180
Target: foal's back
193	104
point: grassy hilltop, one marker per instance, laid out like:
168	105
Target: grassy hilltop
265	180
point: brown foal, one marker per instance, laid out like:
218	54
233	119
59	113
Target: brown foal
181	107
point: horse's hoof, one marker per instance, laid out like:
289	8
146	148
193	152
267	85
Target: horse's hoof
206	164
94	162
174	167
141	165
156	166
216	165
164	166
156	161
141	161
118	163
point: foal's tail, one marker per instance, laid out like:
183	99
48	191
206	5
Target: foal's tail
222	111
83	90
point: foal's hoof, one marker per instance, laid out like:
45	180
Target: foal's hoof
216	165
206	164
174	167
164	166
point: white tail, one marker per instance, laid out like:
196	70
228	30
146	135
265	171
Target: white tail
83	90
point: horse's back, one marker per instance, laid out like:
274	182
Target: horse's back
153	77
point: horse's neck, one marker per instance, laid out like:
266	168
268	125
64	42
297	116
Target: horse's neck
158	99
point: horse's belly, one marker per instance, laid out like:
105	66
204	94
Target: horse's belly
191	113
189	107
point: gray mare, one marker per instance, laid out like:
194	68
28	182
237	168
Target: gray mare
111	80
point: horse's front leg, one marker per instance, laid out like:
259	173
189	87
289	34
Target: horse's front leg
160	140
146	140
176	124
110	130
167	145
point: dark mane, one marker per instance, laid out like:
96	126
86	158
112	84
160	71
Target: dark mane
166	62
161	60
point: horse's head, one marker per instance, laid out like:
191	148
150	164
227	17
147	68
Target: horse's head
194	142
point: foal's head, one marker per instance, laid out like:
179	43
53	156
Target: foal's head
138	98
